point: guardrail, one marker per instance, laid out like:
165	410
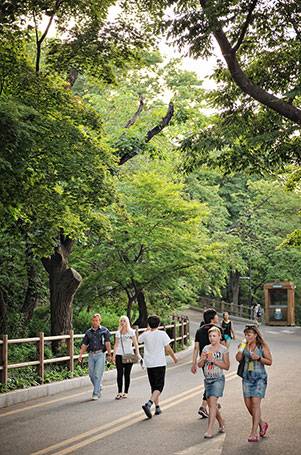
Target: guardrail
180	324
220	306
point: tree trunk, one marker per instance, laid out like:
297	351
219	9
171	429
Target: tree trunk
64	282
235	286
142	319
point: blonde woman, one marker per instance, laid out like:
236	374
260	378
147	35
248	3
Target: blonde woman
124	340
214	359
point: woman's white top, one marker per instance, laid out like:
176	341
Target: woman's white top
127	342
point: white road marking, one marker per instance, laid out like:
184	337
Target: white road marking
212	446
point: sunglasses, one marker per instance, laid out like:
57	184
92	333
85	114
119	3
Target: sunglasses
253	327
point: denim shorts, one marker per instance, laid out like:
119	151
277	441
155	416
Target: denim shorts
214	387
254	387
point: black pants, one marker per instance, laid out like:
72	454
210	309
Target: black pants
123	369
156	377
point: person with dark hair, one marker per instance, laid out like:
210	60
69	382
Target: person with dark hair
228	329
202	340
155	343
97	340
257	355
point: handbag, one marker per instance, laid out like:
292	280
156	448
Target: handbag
241	367
127	358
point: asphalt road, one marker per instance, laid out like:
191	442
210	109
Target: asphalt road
71	423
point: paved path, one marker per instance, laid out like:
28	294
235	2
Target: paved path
71	423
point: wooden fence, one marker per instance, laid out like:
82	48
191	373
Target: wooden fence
179	331
220	306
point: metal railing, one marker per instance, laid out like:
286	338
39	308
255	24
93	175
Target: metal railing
179	331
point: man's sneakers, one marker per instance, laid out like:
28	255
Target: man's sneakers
94	397
147	410
203	413
158	411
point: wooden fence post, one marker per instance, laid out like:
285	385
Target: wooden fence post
40	355
185	331
70	351
4	359
223	306
174	334
181	320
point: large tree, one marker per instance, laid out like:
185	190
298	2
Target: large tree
56	164
158	244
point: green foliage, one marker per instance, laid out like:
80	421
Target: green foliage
40	321
54	163
82	319
157	244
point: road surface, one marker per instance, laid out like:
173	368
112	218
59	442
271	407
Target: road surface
71	423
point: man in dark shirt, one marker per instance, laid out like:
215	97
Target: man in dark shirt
97	340
202	340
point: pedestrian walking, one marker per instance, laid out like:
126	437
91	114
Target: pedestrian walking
124	340
256	355
156	342
257	313
228	329
214	359
97	340
202	340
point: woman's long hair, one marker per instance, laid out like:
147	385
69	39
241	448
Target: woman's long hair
128	326
259	341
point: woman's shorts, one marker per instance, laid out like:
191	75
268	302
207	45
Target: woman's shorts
254	388
227	337
156	377
214	387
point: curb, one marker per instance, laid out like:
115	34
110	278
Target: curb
45	390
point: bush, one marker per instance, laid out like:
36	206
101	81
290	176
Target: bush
40	321
82	320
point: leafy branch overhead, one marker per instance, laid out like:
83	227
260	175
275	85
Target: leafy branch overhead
246	32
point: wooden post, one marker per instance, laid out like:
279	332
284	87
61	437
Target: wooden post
40	355
4	359
182	330
185	331
188	329
70	351
174	331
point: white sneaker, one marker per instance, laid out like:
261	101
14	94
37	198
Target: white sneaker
94	397
99	395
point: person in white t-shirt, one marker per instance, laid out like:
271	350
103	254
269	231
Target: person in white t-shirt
124	340
155	343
